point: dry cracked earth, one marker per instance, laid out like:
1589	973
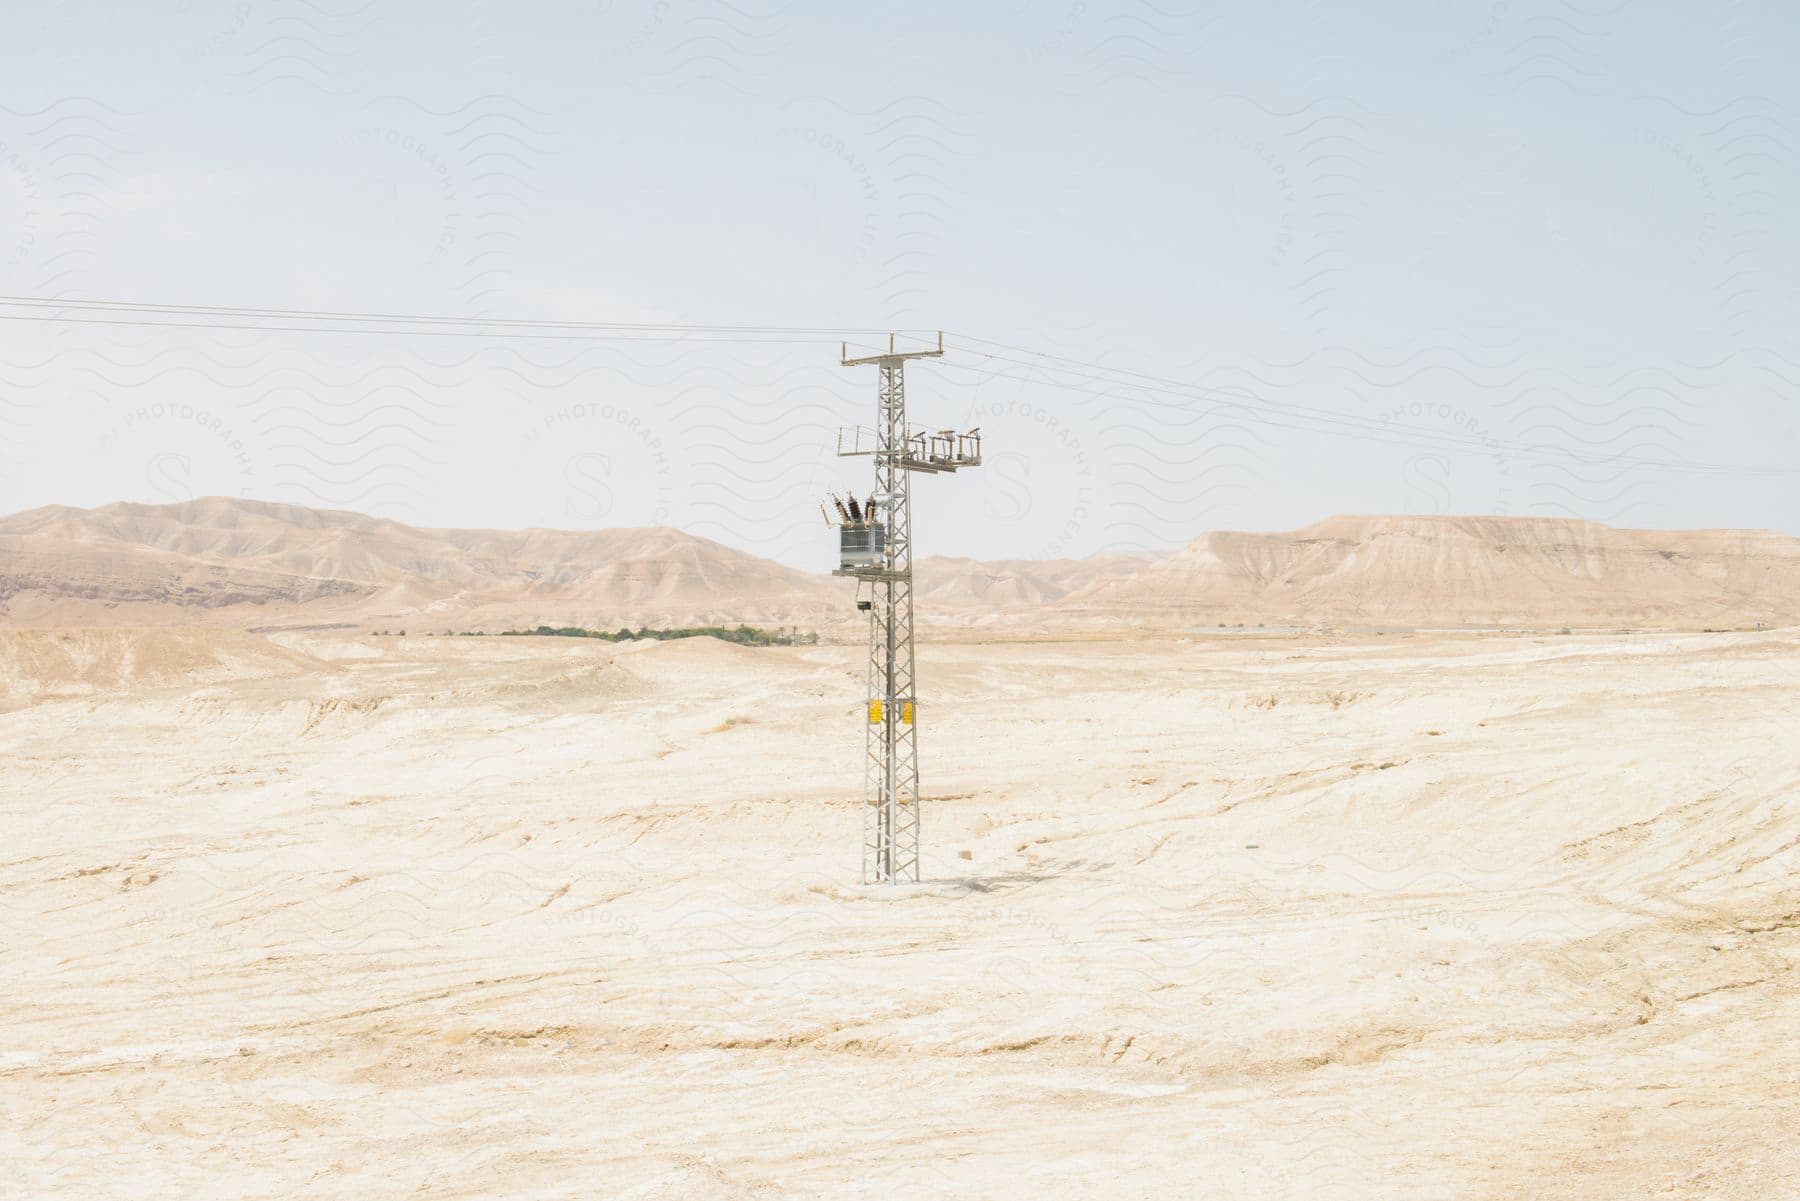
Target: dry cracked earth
1236	917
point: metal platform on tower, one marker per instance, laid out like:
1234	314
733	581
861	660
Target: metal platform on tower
935	450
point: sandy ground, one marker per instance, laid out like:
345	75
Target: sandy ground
1241	918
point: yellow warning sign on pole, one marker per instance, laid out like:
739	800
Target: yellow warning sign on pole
906	713
874	713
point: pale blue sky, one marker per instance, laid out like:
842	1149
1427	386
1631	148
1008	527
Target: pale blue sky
1508	232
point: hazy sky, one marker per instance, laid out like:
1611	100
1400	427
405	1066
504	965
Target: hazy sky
1548	249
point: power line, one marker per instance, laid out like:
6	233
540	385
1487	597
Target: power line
1148	388
635	336
139	314
477	323
1305	419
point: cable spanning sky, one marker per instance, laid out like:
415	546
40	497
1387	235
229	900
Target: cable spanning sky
1198	267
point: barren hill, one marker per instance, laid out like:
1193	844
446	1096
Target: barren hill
57	663
236	562
1465	571
241	563
1002	585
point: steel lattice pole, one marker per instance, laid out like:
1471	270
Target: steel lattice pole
891	836
891	745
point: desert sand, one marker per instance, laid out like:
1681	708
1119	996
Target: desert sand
1230	916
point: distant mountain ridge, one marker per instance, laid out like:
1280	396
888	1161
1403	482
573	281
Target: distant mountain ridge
221	560
1468	571
227	562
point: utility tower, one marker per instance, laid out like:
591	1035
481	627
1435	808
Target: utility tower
876	549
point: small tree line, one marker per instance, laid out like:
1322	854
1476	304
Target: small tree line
742	635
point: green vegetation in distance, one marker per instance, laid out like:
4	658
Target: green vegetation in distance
742	635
